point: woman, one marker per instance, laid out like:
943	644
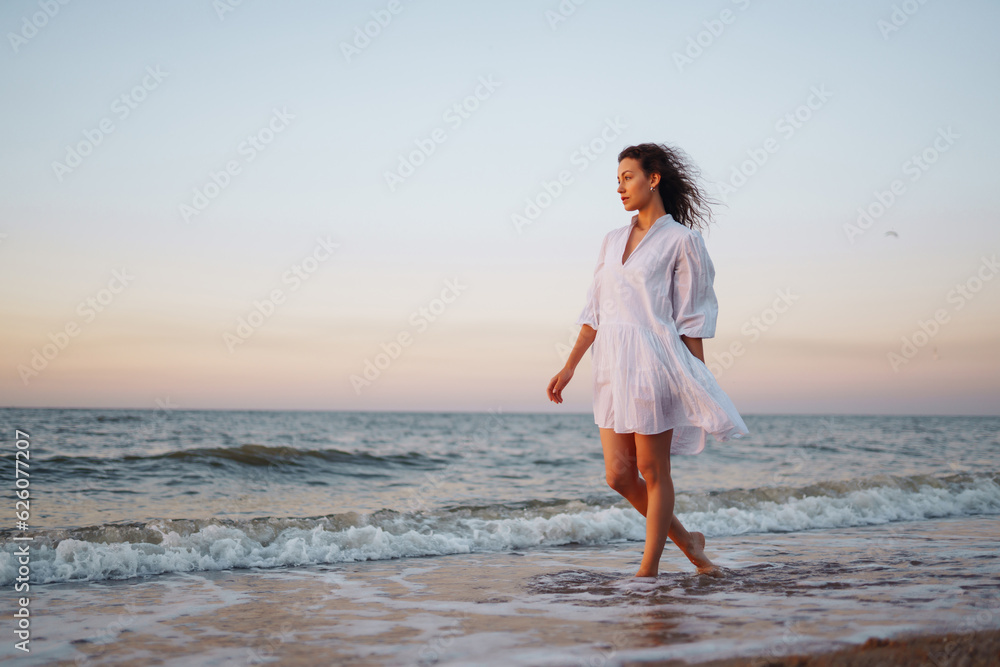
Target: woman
651	302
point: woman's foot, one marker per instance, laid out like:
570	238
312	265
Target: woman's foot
695	551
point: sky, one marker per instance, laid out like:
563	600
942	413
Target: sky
397	205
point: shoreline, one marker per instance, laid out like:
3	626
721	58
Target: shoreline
806	598
949	649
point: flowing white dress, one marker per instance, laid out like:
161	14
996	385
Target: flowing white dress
646	380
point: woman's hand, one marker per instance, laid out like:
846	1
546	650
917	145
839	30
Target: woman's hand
556	384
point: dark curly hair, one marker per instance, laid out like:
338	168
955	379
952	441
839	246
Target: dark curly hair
677	188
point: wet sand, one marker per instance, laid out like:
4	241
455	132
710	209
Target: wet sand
803	593
970	649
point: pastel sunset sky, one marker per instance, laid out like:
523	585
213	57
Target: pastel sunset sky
242	205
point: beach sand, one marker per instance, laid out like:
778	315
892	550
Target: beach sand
969	649
803	593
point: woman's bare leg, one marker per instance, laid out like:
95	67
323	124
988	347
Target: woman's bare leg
622	473
653	460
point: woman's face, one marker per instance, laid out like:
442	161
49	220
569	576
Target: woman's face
633	185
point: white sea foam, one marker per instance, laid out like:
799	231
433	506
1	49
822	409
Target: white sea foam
215	546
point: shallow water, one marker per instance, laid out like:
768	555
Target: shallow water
491	538
568	605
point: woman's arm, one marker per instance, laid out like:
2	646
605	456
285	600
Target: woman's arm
562	378
583	343
696	347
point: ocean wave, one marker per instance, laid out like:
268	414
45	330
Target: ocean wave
124	550
254	455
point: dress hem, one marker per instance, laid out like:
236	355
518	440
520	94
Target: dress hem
729	434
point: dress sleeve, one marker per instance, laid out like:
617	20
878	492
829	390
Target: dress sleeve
692	293
591	311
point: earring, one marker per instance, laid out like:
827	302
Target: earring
651	189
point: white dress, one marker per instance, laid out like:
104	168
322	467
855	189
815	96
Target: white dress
646	380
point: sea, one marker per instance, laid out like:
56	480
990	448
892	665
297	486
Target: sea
289	537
